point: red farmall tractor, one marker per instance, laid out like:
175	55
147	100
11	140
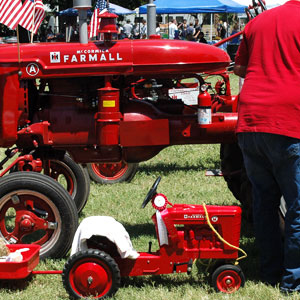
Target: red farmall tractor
104	102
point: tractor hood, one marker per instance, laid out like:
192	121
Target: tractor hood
123	57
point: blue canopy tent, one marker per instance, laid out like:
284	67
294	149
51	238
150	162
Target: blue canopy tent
194	6
116	9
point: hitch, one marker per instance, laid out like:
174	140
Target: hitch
189	266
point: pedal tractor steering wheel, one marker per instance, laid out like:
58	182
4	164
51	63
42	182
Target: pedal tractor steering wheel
151	192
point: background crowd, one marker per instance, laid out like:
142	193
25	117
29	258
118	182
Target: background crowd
191	31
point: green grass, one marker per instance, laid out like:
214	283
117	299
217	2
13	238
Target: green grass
183	181
182	169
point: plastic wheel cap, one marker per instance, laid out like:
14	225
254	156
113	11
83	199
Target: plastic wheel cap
90	279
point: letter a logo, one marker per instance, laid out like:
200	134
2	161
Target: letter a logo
32	69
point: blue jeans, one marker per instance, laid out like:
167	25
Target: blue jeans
272	164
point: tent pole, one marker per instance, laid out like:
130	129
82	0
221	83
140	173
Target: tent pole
211	26
227	33
168	25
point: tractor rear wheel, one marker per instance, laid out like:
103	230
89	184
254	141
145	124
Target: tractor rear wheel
36	209
91	273
109	173
234	173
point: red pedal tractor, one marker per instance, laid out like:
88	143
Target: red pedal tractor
185	233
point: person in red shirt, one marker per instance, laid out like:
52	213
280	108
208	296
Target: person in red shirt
268	132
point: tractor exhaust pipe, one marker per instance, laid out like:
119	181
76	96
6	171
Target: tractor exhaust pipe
82	6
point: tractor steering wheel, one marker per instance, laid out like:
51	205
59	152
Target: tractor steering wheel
151	192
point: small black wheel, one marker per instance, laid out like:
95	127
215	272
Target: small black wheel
91	273
110	173
35	209
151	192
228	278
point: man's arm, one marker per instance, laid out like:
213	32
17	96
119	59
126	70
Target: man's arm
240	70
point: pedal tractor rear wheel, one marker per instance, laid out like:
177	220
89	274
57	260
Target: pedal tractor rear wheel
91	273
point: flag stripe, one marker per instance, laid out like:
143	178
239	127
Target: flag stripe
29	15
9	12
100	8
33	14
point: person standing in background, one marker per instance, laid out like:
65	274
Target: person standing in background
172	29
269	137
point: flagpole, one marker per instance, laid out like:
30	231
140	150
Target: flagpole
33	17
18	40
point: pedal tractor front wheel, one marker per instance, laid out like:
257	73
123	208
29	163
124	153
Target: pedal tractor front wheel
228	278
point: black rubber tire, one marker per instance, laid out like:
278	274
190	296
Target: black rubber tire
75	176
120	176
228	278
100	260
75	173
234	173
47	195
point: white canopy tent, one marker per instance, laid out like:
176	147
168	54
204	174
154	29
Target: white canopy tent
269	3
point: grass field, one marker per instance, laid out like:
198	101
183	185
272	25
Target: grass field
183	181
182	169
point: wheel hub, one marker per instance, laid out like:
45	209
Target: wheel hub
26	223
90	278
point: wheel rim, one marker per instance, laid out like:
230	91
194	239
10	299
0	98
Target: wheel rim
29	217
90	277
228	281
63	174
110	171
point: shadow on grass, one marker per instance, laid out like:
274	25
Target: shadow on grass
140	229
165	169
168	281
13	285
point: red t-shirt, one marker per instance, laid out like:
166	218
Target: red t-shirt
270	97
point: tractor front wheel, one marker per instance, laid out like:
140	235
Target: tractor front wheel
71	176
91	273
36	209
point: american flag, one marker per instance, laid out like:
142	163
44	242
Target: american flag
10	12
32	15
100	8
